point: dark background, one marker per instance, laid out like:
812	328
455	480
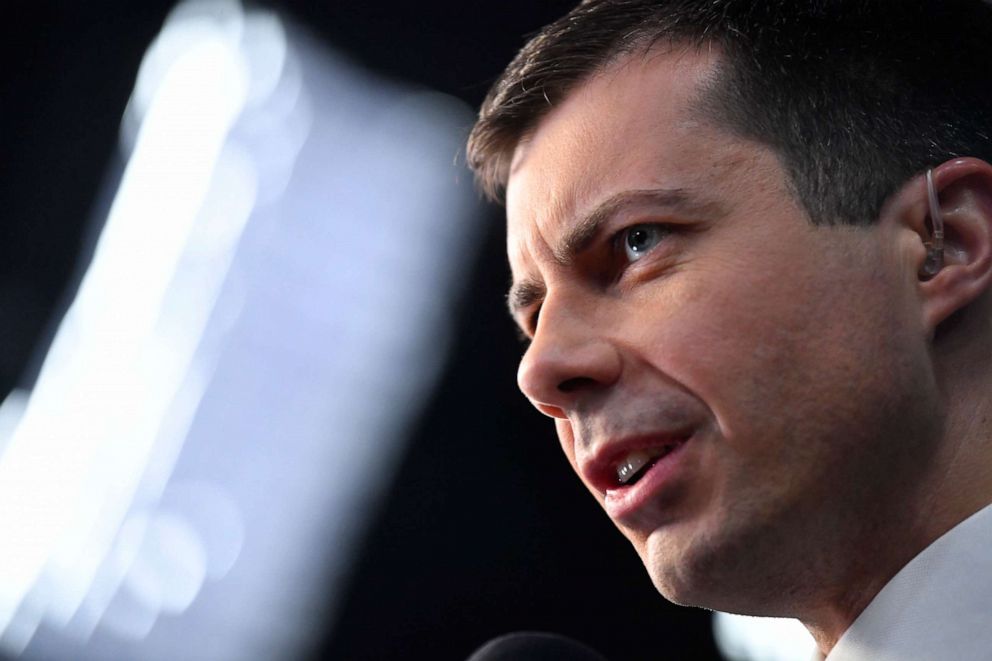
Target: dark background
486	529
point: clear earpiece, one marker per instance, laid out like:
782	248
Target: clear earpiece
935	247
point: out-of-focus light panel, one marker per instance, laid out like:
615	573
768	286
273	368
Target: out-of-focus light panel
227	395
744	638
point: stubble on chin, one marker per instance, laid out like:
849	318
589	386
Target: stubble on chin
744	563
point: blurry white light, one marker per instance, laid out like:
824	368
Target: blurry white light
215	518
189	24
11	411
75	461
744	638
111	576
129	618
170	566
210	407
263	42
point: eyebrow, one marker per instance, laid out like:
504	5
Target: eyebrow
578	237
524	294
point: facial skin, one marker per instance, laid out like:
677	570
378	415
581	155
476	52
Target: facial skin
795	357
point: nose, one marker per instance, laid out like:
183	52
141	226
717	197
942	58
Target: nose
570	359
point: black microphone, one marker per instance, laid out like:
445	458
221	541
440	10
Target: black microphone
535	646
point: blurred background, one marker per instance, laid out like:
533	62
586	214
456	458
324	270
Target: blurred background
258	380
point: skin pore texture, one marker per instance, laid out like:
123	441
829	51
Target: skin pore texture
799	360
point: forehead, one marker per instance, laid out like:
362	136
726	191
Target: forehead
634	126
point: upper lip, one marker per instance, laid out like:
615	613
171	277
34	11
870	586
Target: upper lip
600	468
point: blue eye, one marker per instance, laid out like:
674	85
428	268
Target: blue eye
639	239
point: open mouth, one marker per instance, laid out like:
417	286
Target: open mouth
637	463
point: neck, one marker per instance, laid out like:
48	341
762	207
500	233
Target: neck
956	484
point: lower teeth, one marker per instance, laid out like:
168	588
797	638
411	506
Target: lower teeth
648	466
639	474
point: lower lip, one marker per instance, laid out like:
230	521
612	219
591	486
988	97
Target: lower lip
624	501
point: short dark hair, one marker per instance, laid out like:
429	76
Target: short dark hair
854	96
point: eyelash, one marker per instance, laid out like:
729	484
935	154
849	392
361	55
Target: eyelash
525	336
522	335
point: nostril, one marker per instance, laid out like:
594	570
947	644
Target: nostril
577	383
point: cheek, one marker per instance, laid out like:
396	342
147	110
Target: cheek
748	343
716	325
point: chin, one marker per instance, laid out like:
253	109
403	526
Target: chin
711	571
682	587
683	575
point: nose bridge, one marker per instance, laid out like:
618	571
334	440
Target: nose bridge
571	355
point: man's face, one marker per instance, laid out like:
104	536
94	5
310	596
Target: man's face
761	383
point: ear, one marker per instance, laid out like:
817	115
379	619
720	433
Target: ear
964	193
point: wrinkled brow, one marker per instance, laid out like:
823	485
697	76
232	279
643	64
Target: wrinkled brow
578	237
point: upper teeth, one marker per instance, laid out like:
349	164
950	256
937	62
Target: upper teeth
635	461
